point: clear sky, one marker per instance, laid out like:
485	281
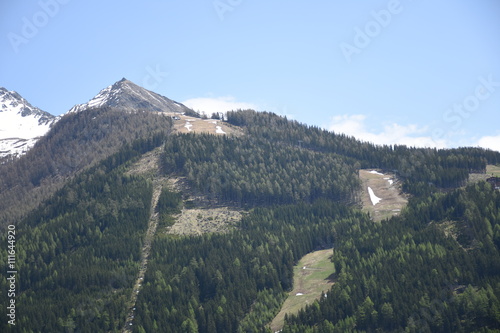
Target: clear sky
416	72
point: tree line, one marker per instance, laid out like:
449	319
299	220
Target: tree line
423	170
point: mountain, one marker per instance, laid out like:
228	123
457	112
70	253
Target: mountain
21	124
127	96
96	202
78	140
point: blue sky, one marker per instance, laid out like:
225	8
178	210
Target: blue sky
415	72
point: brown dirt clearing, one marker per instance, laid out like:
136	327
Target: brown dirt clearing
201	214
392	200
188	124
200	221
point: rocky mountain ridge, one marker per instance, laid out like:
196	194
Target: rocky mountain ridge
129	97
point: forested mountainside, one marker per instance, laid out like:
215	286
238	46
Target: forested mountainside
422	169
252	171
433	268
77	141
78	253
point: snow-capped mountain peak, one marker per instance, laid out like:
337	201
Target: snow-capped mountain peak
21	124
127	96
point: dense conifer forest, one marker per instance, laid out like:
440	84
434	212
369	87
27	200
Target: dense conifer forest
434	268
256	171
422	169
407	274
78	253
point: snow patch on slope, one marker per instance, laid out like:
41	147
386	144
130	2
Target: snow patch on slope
375	200
14	125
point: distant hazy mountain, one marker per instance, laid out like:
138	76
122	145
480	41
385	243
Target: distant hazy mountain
21	124
127	96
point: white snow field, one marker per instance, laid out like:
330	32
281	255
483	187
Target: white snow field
375	200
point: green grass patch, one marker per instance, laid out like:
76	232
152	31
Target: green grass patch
493	170
312	277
